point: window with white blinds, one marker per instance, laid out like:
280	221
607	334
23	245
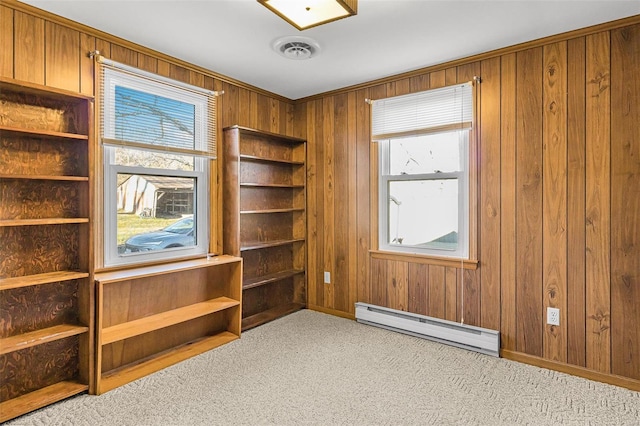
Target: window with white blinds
158	139
148	111
423	177
431	111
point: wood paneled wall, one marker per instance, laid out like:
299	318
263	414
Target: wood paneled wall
557	183
44	49
558	203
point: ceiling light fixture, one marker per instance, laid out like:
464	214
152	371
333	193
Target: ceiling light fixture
304	14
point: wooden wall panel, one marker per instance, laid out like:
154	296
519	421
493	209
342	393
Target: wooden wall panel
490	213
598	170
471	279
340	275
396	285
362	146
527	260
320	208
529	201
576	82
352	235
28	61
328	106
62	57
554	197
312	209
508	314
127	56
87	45
147	63
418	288
437	291
625	203
6	42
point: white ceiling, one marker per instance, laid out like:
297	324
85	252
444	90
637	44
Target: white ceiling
387	37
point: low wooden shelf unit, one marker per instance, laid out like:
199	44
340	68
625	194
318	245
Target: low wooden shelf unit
151	317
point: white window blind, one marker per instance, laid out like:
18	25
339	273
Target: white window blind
150	112
431	111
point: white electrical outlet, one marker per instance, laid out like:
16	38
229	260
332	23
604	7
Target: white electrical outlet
553	316
327	277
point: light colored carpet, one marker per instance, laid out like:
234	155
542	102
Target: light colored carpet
315	369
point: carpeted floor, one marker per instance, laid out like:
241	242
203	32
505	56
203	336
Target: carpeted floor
314	369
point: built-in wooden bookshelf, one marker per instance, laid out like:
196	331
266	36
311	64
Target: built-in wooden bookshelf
46	288
151	317
265	220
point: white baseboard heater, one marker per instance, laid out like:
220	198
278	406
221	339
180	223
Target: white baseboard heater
452	333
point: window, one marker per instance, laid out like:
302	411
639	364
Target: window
158	139
423	176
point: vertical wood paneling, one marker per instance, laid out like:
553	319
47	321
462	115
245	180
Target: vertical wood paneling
62	58
418	288
490	213
437	291
263	111
576	201
598	285
87	45
554	197
352	202
6	42
397	277
313	188
340	281
147	63
329	260
179	73
471	278
104	47
625	202
164	68
451	294
320	201
28	48
363	125
529	201
230	105
508	314
244	108
254	122
419	83
437	79
379	283
129	57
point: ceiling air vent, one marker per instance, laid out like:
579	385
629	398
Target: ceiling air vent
296	47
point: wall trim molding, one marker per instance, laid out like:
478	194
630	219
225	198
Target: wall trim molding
581	32
573	370
57	19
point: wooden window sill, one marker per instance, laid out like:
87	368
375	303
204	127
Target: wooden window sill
425	259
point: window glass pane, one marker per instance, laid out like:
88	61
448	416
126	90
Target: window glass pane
155	213
424	213
152	159
156	120
424	154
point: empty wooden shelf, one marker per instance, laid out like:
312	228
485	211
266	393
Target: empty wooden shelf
151	317
265	220
46	288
